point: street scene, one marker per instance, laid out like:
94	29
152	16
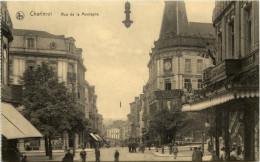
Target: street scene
129	81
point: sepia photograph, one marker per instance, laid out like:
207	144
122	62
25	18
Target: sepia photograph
117	80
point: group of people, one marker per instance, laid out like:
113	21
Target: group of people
83	155
132	147
236	153
70	156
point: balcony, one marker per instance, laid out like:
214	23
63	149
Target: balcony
71	77
163	94
221	71
12	93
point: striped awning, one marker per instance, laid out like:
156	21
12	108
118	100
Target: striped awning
14	125
220	98
100	139
92	135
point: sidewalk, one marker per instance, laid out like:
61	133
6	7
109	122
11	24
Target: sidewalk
182	157
57	155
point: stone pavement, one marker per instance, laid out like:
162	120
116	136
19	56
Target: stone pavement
107	154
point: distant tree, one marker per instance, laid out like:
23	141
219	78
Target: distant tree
194	124
49	106
166	123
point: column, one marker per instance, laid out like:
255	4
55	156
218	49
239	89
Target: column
237	30
249	131
255	14
21	145
217	129
76	139
42	144
243	36
226	131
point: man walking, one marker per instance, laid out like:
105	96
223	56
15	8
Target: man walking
83	155
170	148
116	156
97	155
175	151
196	155
68	157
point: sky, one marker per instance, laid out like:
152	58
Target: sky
116	57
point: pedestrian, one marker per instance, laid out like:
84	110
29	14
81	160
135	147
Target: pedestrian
175	151
68	157
222	154
240	155
116	155
129	147
24	159
170	148
200	153
196	155
134	147
233	154
97	155
83	155
214	156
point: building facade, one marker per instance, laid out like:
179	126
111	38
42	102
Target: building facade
177	60
14	126
231	87
31	48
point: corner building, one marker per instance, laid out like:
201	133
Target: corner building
30	48
176	63
231	87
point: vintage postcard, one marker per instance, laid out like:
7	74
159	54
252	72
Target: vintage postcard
129	80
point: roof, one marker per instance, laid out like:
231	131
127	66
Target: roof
174	20
14	125
202	28
21	32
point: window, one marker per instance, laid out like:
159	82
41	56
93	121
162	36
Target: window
187	83
187	65
232	39
10	67
70	68
249	29
70	47
168	85
30	64
199	83
199	65
220	57
53	66
30	42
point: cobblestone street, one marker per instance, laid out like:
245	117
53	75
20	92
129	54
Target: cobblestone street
107	154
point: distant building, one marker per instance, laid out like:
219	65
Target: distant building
113	136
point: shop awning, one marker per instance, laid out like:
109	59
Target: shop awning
100	139
92	135
220	98
14	125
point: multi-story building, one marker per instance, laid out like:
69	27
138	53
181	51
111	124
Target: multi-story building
93	111
232	86
134	117
31	48
113	136
13	125
100	124
175	64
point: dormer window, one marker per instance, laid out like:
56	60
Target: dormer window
70	47
30	42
